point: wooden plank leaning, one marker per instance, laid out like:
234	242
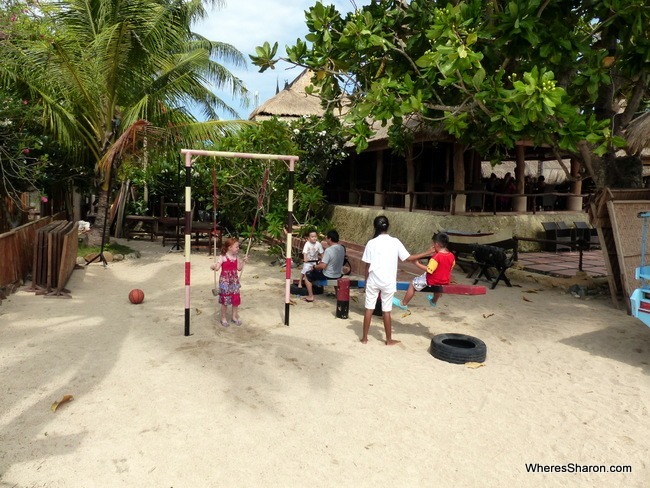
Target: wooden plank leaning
67	252
39	258
50	260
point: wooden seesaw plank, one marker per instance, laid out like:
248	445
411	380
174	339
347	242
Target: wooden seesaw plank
455	289
451	289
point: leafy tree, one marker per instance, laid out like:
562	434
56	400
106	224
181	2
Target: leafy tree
564	73
240	182
109	75
321	142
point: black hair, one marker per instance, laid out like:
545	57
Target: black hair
442	239
380	224
333	235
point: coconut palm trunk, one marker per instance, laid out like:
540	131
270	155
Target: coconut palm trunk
97	230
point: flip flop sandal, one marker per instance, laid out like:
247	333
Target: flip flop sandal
236	321
398	303
225	323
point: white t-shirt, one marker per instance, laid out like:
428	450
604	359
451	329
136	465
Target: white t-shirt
312	250
382	254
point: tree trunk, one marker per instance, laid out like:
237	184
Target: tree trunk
379	177
410	177
519	202
459	201
95	234
121	206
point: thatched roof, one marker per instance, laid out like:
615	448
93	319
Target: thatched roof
638	134
550	169
291	102
413	123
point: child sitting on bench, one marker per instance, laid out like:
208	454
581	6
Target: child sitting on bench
437	272
311	254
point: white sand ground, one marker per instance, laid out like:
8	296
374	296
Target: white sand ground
566	383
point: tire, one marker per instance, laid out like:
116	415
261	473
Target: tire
458	348
297	290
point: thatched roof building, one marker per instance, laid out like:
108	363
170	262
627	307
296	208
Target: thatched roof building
637	135
291	102
553	173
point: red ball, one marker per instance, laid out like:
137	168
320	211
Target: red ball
136	296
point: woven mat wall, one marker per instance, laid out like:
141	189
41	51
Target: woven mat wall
627	230
619	230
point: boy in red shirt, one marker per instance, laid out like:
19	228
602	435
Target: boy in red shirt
438	272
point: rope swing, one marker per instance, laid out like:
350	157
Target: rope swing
260	201
215	290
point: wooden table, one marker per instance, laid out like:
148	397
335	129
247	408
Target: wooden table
141	226
201	233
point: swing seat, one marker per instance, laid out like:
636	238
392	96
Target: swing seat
640	305
642	273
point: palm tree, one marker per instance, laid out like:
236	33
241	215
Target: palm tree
113	70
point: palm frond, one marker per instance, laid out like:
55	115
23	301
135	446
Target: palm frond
128	144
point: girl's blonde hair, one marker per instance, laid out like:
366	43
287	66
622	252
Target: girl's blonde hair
227	243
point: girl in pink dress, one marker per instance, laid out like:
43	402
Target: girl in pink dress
230	265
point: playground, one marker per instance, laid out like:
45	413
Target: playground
565	383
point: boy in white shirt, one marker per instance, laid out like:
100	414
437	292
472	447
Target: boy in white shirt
312	252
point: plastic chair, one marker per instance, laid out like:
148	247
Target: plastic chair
588	233
553	232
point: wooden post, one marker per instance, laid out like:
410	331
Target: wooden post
379	176
410	176
459	201
574	202
519	202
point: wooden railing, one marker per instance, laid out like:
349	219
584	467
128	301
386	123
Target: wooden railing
448	197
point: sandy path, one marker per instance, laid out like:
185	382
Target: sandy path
565	381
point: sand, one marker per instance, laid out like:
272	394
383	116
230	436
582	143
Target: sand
565	386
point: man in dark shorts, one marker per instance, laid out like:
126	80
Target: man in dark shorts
330	266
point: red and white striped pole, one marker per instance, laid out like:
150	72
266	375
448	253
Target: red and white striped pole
287	291
188	237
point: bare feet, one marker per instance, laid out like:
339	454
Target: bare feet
364	340
392	342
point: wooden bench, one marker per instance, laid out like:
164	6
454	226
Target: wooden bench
450	289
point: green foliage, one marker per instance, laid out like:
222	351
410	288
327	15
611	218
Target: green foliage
106	73
241	185
22	162
321	143
265	52
29	158
492	73
112	247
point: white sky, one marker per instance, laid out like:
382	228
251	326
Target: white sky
248	23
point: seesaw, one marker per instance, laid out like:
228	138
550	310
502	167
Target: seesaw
451	289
